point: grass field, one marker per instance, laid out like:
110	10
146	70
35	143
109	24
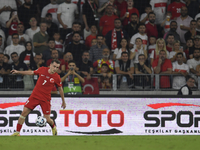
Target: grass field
100	143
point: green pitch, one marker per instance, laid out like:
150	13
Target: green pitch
100	143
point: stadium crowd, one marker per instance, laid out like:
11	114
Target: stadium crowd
133	38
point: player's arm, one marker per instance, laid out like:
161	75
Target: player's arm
28	72
60	89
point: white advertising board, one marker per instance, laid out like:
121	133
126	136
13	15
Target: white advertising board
107	116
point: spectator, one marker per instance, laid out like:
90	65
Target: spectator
4	71
67	57
141	68
195	46
51	8
194	62
105	80
76	48
51	26
192	31
137	50
186	89
17	80
58	42
96	50
176	49
94	42
141	34
105	59
198	24
166	23
40	39
72	80
193	7
85	66
13	22
2	39
47	52
162	65
179	68
152	44
173	28
6	58
76	27
159	8
125	14
38	62
151	28
189	44
90	16
183	23
114	37
125	67
121	4
132	27
144	17
66	15
5	10
175	8
107	21
25	12
170	42
102	9
54	55
15	47
123	48
92	36
141	5
23	38
34	28
27	56
160	45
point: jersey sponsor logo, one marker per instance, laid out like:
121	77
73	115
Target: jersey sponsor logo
52	80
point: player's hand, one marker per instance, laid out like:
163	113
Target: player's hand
63	105
65	26
14	71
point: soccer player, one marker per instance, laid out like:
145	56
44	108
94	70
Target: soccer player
41	94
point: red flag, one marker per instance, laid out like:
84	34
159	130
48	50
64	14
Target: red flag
91	86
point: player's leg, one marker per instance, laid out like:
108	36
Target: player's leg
46	109
21	120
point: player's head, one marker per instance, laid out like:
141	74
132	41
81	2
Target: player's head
55	64
72	65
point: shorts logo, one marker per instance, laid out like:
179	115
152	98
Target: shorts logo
52	80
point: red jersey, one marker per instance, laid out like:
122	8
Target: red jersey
127	19
169	49
45	84
175	9
151	30
107	22
62	62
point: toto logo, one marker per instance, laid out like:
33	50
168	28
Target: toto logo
159	118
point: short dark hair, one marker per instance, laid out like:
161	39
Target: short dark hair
15	34
13	53
173	21
7	56
124	53
170	35
43	22
196	50
193	21
141	55
56	61
20	24
71	61
141	24
51	39
162	51
189	77
54	50
76	33
2	53
118	19
152	36
99	35
134	14
151	13
85	52
1	36
76	22
40	54
179	54
48	14
198	19
148	6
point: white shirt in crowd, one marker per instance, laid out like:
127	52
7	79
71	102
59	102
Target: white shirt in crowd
118	52
12	48
167	26
139	51
143	37
179	81
31	32
59	46
67	12
3	40
151	48
26	37
172	53
152	55
159	8
76	1
192	63
5	15
143	16
51	8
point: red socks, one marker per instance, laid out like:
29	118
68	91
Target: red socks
19	126
52	126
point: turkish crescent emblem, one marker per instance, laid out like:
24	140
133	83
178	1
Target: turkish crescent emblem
52	80
88	85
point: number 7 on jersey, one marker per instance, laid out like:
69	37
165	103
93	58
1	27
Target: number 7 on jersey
44	82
